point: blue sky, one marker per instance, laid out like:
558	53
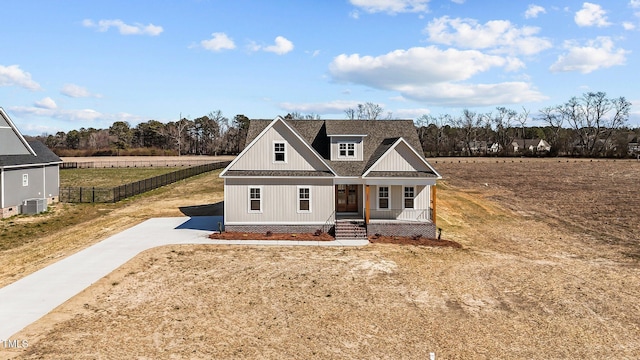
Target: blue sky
72	64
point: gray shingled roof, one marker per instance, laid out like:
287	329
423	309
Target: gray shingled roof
380	135
292	173
45	156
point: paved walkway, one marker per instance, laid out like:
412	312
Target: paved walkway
35	295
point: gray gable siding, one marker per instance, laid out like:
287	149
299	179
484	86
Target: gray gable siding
11	141
379	135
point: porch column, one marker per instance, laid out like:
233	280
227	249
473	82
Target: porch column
366	204
433	204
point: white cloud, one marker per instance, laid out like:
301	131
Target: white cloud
628	26
282	46
591	15
79	115
12	75
500	36
634	4
123	28
458	1
421	65
218	42
391	6
533	11
596	54
330	107
46	103
76	91
475	94
410	113
433	75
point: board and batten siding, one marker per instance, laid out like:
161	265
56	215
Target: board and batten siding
279	201
422	199
400	158
260	156
334	147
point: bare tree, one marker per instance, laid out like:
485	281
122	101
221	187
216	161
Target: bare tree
468	124
503	122
366	111
295	115
595	118
554	119
522	118
176	131
431	132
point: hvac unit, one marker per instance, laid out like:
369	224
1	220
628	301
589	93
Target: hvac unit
34	206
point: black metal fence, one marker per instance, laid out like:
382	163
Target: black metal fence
115	194
132	163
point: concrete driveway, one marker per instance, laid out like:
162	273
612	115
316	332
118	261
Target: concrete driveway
35	295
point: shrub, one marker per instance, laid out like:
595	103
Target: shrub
317	232
269	233
416	237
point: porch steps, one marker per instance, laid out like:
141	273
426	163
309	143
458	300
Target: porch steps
350	229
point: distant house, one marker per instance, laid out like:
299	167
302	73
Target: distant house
359	176
29	172
531	145
473	147
633	147
495	148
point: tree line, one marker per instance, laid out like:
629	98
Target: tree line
212	134
590	125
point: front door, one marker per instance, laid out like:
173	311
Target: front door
347	198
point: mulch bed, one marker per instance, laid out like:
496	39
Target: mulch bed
422	241
232	235
399	240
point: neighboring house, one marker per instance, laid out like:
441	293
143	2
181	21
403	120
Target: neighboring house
532	145
303	175
474	147
28	171
633	147
495	148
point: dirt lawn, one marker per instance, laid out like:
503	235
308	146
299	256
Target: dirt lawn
549	269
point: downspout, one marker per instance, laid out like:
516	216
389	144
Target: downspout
1	188
433	203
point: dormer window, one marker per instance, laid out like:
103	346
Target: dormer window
347	149
279	152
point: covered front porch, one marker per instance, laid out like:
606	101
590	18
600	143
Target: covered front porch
399	207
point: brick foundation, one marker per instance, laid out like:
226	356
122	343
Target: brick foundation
402	229
276	229
15	210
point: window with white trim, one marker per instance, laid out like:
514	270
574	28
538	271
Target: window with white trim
25	179
347	149
255	199
279	152
409	194
383	197
304	199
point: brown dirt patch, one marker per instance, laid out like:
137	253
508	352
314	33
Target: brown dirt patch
539	276
232	235
404	240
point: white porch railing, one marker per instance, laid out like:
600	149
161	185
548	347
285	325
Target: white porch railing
422	215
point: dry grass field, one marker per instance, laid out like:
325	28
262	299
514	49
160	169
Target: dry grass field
549	269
